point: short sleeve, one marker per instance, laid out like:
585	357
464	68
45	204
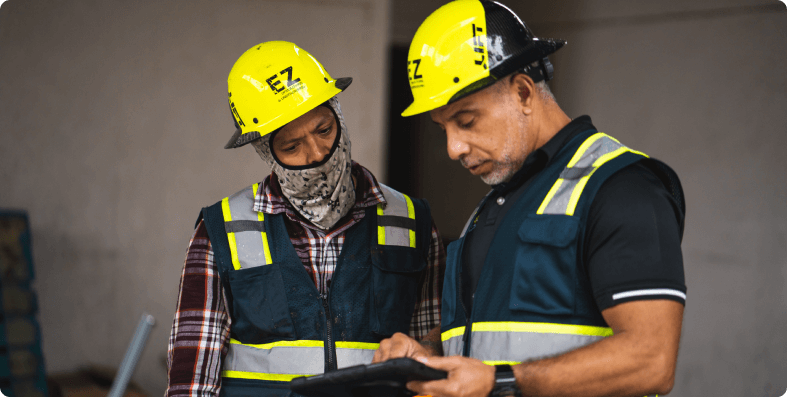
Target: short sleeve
632	243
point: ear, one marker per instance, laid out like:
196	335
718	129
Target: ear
525	89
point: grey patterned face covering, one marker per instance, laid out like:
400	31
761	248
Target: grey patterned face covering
323	194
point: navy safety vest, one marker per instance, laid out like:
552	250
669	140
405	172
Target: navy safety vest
281	326
533	298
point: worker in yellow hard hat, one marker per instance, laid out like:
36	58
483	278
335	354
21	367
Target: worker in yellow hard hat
307	270
568	278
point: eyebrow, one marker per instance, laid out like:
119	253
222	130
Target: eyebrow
455	115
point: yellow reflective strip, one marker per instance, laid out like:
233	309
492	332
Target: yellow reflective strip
357	345
380	229
268	259
574	199
549	196
410	208
261	218
584	148
261	376
542	328
577	192
225	209
609	156
452	333
492	362
411	215
283	343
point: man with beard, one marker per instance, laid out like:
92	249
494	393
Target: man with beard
568	278
306	271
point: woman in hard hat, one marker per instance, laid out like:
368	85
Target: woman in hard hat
308	270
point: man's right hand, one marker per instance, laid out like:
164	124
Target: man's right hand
399	345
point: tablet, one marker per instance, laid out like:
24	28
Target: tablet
385	379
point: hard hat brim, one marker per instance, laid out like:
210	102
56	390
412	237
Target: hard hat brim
239	139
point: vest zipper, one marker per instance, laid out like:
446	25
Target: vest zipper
468	328
330	347
466	336
468	324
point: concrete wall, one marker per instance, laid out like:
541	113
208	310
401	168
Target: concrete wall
113	116
702	86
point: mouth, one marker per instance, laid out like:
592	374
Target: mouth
475	167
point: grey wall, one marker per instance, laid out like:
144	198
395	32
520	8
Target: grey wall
113	116
702	86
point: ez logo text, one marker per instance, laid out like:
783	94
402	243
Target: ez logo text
276	84
415	63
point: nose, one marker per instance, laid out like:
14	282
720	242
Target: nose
317	150
457	147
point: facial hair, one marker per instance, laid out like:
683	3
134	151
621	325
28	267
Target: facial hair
503	171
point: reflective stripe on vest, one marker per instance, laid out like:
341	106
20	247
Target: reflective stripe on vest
285	360
395	220
245	228
514	342
452	341
592	154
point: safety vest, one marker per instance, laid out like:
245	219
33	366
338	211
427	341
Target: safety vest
533	298
281	326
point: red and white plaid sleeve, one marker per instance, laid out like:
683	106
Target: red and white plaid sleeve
200	332
427	311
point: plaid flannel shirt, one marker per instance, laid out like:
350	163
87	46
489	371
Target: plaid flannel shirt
200	334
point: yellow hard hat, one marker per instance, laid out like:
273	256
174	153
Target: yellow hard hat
467	45
272	84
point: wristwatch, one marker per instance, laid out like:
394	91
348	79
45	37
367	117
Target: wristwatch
505	382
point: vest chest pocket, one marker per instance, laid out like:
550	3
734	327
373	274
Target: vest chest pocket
396	273
545	273
260	311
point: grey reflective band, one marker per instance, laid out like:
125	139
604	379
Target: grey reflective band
564	195
276	360
245	230
285	360
517	347
576	172
395	219
511	342
452	341
244	226
348	357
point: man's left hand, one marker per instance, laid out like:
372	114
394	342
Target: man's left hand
467	377
399	345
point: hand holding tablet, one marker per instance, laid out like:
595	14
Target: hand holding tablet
385	379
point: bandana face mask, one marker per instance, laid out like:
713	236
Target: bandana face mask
324	193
